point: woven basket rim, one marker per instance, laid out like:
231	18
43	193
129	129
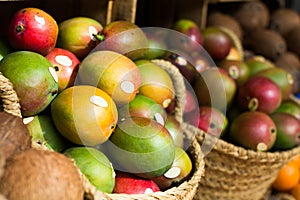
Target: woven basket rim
242	153
234	38
9	97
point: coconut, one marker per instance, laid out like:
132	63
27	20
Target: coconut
41	174
14	135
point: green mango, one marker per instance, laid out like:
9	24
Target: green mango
95	165
290	107
143	106
43	130
141	146
34	79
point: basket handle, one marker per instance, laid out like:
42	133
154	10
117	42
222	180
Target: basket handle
9	97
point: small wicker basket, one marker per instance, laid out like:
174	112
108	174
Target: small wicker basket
233	172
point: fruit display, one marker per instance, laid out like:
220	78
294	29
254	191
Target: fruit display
121	111
95	110
268	76
261	119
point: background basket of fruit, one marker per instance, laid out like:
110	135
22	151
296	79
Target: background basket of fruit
246	101
94	120
256	136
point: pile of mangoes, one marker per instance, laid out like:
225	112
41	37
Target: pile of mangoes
92	93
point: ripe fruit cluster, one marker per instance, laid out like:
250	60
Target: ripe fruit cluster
244	100
272	32
97	98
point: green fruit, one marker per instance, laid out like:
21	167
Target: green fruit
34	80
290	107
237	69
142	106
142	146
288	131
95	166
257	64
43	130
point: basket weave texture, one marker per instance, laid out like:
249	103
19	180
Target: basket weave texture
234	38
9	98
9	103
233	172
184	191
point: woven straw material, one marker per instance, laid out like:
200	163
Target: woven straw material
9	98
235	40
232	172
10	104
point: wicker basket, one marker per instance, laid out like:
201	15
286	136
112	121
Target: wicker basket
233	172
184	191
234	38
